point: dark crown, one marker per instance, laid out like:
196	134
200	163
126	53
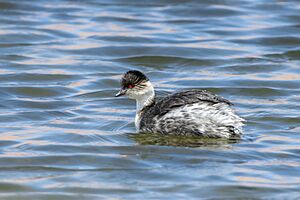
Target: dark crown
133	77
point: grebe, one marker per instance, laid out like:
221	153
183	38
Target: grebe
192	112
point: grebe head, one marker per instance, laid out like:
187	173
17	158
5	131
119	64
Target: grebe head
136	85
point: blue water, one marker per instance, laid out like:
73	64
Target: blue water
63	134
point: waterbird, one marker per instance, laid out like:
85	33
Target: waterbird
192	112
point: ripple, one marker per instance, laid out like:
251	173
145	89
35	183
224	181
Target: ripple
65	136
34	77
292	55
38	92
116	19
33	37
284	41
9	187
126	51
162	60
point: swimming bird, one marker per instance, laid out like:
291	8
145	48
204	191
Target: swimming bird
192	112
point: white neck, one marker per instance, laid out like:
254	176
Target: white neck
144	100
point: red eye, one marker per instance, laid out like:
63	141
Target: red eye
130	86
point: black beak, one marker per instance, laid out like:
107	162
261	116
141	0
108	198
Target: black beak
121	93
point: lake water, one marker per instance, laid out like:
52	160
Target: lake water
63	134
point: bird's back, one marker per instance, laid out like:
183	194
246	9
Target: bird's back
192	112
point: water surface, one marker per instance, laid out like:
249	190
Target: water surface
63	135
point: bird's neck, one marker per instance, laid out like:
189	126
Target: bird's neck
144	101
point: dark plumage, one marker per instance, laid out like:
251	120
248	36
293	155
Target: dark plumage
133	78
176	100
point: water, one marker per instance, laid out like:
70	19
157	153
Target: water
65	136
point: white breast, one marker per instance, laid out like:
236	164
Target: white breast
137	120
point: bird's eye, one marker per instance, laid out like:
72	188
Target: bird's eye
130	86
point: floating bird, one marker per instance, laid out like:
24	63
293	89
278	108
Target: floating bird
192	112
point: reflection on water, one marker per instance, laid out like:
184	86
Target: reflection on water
167	140
65	136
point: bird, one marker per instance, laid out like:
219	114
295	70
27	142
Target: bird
193	112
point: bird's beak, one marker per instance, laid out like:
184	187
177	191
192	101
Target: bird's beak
121	92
